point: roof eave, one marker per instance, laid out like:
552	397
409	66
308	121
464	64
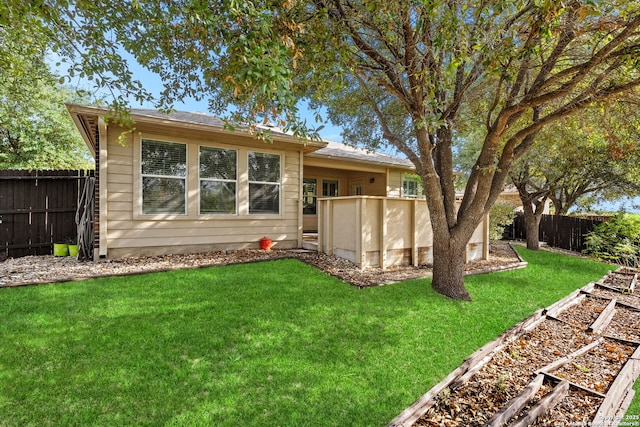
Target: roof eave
406	166
77	110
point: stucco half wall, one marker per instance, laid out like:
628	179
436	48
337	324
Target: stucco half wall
384	232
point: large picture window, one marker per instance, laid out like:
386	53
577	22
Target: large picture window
264	183
164	173
218	180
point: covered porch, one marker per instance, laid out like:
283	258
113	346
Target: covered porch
342	171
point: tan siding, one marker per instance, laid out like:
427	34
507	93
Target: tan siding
185	223
376	188
394	187
120	206
120	169
210	235
130	233
120	197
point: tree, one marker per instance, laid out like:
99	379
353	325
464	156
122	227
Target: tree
36	132
593	153
404	70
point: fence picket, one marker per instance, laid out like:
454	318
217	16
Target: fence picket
565	232
37	208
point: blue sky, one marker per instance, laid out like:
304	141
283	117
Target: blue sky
153	83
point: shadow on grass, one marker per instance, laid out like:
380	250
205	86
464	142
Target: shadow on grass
273	343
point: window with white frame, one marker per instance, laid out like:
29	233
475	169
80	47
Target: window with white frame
264	183
164	177
410	186
218	180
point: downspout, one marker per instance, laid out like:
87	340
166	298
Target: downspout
101	194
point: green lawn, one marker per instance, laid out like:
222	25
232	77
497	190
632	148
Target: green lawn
271	343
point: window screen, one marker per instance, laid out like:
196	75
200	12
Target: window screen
264	183
218	180
164	172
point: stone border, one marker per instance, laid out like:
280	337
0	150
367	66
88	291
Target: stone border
514	266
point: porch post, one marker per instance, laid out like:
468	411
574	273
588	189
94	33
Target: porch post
360	243
382	250
321	230
328	226
414	231
301	200
103	189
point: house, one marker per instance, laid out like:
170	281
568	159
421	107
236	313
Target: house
511	196
181	182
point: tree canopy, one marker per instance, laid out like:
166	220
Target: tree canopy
36	132
400	73
590	156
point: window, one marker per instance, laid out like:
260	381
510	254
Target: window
329	188
164	172
309	196
218	181
264	183
410	185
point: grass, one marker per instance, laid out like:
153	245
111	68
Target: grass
272	343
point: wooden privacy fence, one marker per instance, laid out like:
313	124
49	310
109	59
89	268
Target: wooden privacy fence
565	232
37	209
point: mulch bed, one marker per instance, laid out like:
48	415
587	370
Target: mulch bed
49	269
559	347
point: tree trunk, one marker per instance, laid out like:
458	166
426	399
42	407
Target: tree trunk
532	226
448	267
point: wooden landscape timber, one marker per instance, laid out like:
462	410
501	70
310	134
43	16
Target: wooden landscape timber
603	336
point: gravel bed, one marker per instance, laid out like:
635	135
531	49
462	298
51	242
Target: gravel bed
49	269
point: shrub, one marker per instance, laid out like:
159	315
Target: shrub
501	216
616	240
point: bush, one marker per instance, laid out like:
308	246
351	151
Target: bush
616	240
501	216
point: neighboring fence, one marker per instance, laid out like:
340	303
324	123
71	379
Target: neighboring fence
37	209
565	232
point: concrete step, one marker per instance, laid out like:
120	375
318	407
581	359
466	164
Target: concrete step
311	245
